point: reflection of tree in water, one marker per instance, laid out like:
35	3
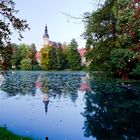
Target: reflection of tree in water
55	84
113	111
19	83
59	84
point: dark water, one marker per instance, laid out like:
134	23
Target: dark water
69	106
113	111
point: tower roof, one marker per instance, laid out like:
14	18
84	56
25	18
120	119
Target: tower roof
46	35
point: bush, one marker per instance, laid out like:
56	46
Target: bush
122	62
26	64
136	72
36	67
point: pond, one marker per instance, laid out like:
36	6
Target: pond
69	106
43	104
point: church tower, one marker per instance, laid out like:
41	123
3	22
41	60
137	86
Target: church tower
46	36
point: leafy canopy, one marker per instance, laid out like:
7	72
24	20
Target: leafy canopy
8	20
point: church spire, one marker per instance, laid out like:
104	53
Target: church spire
46	35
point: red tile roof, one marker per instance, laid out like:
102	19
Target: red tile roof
82	52
38	55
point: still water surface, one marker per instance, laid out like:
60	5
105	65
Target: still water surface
69	106
44	104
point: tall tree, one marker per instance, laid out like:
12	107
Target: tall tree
125	57
31	54
23	51
48	58
100	35
61	59
113	32
73	56
7	53
16	57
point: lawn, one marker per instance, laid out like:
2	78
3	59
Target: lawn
7	135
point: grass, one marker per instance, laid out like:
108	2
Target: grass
7	135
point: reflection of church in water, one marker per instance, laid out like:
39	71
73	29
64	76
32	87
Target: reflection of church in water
45	97
46	102
59	86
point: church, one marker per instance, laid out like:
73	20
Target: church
47	42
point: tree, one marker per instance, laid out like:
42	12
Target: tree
113	32
6	54
16	57
48	58
31	54
100	35
61	59
73	56
8	19
53	58
128	27
23	50
8	12
26	64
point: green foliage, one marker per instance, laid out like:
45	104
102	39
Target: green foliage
16	57
31	53
128	23
136	71
7	135
23	51
6	57
112	31
61	59
73	44
100	25
99	57
9	19
19	57
73	56
100	36
122	62
44	58
19	53
36	67
48	58
26	64
58	58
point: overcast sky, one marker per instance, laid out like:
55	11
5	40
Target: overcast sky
60	28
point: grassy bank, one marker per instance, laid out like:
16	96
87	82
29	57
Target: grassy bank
7	135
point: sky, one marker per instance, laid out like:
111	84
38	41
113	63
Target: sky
61	28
